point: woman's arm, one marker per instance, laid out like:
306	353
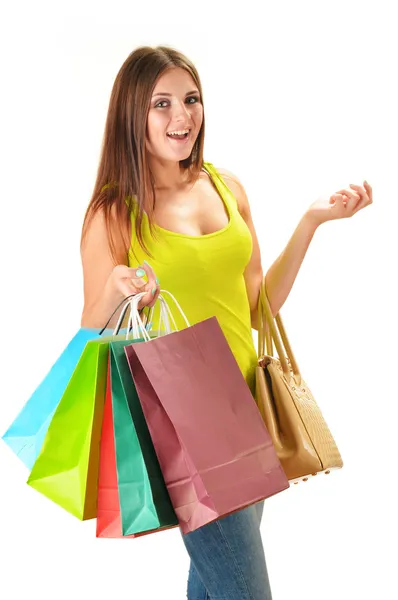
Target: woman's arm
342	205
101	296
106	280
281	275
283	272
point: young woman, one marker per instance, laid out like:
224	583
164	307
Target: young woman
159	213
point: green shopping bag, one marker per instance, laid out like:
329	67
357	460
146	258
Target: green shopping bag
66	470
145	503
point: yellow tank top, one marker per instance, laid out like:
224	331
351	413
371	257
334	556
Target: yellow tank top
205	274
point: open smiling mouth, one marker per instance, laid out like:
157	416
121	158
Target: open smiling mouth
179	135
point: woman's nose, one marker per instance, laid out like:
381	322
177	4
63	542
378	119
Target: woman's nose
181	112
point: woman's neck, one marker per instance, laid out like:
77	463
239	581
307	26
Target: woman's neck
169	176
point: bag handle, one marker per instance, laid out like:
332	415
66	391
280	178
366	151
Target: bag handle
264	334
136	324
164	316
270	329
125	303
166	306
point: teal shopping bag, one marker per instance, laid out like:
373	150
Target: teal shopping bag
145	503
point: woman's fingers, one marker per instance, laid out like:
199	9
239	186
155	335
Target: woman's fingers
337	199
348	192
352	198
365	192
155	297
339	208
152	286
136	280
369	191
150	273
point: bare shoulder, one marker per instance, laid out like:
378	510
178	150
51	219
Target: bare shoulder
104	239
236	187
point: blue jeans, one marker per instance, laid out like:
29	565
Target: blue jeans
227	558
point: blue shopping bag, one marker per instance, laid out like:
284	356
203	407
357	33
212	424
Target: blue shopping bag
26	434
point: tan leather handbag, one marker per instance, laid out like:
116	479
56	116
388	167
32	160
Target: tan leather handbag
298	430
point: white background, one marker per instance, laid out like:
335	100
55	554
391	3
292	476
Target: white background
300	100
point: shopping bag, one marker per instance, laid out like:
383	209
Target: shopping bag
213	448
26	434
109	523
66	470
108	509
144	500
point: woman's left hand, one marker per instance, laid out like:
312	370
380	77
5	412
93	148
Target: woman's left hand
341	205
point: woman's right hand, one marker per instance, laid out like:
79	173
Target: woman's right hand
128	281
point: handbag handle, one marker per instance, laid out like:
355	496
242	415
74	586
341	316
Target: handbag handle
270	329
264	334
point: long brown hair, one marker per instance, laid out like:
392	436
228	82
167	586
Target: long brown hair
123	171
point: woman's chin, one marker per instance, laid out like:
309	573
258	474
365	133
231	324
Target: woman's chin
175	154
179	154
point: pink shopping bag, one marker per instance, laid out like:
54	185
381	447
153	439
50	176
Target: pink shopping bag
214	451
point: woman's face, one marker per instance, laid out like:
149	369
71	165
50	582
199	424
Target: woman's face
175	116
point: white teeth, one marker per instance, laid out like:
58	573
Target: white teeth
178	132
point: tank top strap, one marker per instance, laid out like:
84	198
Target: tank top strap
221	186
224	191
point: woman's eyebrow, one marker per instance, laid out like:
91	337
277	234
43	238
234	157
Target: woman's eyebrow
166	94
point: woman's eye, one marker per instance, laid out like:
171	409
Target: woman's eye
189	100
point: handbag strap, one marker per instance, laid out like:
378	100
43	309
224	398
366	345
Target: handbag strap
270	330
264	334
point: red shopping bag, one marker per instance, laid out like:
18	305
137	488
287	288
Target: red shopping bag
213	448
108	509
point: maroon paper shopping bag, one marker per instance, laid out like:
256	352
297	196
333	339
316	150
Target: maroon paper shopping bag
214	451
